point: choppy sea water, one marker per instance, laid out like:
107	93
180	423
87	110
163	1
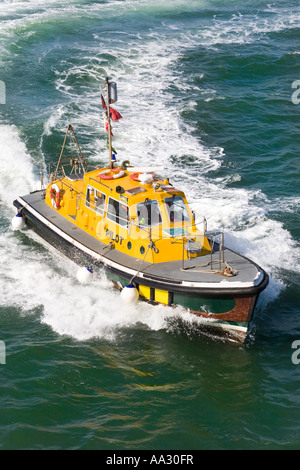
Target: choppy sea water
209	90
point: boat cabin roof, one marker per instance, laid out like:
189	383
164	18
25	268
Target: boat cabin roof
130	188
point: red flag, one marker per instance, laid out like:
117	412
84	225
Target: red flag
106	128
115	115
103	102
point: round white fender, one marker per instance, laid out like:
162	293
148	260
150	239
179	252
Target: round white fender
130	295
84	275
18	222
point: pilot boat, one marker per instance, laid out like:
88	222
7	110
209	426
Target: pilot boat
135	225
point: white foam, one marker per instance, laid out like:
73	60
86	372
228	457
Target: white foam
32	279
16	175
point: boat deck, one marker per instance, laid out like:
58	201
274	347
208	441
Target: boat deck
195	271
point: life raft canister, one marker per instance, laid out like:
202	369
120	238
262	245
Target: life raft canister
55	196
142	177
111	174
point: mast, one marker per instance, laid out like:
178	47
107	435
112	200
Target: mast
108	121
74	161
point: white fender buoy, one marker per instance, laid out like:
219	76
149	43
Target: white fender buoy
18	222
85	275
130	295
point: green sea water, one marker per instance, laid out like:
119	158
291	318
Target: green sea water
208	89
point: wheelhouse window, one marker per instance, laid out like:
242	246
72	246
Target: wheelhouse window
118	212
176	209
148	213
95	200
